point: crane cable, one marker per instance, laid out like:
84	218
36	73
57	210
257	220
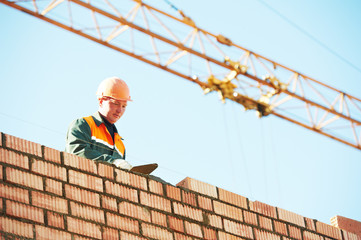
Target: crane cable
243	156
171	5
275	162
313	38
229	149
230	157
264	162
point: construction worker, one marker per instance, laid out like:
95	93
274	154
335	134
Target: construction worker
96	137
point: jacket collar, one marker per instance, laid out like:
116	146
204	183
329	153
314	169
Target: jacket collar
97	119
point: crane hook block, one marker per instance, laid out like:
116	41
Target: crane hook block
225	88
262	108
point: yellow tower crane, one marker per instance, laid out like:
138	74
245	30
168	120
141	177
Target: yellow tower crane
212	61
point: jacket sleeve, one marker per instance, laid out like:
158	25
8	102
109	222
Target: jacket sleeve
78	142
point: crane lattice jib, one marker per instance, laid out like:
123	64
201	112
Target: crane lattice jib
214	62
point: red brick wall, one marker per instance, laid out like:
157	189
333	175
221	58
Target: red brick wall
347	224
47	194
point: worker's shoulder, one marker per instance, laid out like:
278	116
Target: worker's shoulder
85	123
79	122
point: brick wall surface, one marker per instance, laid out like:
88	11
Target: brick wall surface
347	224
48	194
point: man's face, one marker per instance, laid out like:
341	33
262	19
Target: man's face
112	109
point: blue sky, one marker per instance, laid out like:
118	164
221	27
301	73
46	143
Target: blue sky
49	77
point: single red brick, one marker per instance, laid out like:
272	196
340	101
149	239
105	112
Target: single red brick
260	234
1	172
280	228
106	170
238	229
156	232
193	229
347	224
265	223
209	234
84	228
86	212
121	191
228	210
1	138
226	236
128	236
82	195
263	209
86	181
250	218
24	211
48	169
45	233
286	238
311	236
328	230
173	192
155	187
126	224
310	224
54	186
232	198
14	193
24	178
49	202
187	211
189	198
131	179
1	205
205	203
109	203
134	211
176	224
13	158
291	217
52	155
199	186
155	201
23	145
77	237
179	236
16	227
110	234
159	218
212	220
55	220
295	232
83	164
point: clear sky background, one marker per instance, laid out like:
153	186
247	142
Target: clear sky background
49	77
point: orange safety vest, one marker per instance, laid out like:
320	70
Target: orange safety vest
101	136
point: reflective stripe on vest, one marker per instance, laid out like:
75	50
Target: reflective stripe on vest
101	135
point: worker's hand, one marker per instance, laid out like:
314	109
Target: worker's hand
120	163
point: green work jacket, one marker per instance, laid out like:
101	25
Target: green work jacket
88	137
